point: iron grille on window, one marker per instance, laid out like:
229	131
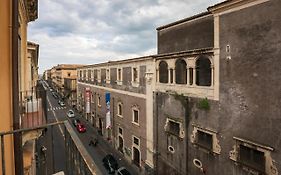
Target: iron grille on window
252	158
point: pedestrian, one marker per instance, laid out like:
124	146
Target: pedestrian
93	141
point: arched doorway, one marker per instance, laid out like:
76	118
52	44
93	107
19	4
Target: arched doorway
136	156
121	144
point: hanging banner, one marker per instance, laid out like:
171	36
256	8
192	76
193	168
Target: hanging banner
107	116
87	100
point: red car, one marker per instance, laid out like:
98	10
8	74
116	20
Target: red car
80	127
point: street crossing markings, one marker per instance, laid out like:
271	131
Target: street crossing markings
56	108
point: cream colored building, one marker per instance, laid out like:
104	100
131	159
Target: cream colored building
60	72
14	16
32	65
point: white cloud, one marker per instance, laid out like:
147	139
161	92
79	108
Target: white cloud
93	31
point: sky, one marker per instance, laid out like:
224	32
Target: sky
95	31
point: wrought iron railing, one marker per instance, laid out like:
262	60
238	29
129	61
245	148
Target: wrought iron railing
77	158
33	108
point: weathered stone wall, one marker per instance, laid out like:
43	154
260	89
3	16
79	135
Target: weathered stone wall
200	34
167	162
127	76
250	83
113	76
142	77
103	76
125	122
249	96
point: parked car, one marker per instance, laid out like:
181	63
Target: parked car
80	127
70	113
110	163
122	171
75	122
61	103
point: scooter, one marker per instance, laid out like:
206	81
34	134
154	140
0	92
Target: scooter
93	142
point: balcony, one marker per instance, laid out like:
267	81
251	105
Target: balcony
34	160
33	108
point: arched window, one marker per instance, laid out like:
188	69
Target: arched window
163	72
203	71
180	71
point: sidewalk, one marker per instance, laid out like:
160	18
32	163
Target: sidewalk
108	147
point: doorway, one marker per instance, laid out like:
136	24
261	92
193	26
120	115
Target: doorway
121	144
100	126
136	156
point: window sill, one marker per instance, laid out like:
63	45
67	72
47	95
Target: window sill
137	124
121	116
135	84
119	82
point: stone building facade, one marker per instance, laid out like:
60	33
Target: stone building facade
218	90
61	72
117	99
211	94
70	91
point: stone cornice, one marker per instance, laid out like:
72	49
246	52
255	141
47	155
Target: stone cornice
230	5
32	9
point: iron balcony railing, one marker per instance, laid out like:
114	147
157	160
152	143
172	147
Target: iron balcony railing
77	158
33	108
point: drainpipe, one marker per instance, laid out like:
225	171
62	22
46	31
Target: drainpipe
113	123
156	131
15	90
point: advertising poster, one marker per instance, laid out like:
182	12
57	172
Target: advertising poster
87	100
107	116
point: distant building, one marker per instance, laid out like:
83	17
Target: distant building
59	73
70	90
32	65
47	75
116	99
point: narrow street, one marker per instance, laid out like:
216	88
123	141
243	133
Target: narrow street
58	162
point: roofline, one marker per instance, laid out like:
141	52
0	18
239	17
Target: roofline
206	13
32	43
230	4
185	53
143	58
